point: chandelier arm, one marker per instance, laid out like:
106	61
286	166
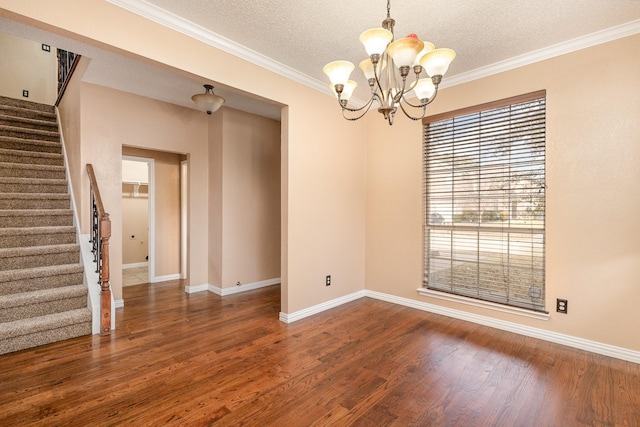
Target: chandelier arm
377	77
401	93
364	107
429	101
424	110
353	119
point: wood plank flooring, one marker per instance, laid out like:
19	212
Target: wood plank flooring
199	359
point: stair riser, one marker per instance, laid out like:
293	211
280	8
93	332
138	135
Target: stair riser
17	144
19	122
31	160
34	204
36	221
40	260
31	173
28	240
44	337
31	188
9	314
40	283
30	134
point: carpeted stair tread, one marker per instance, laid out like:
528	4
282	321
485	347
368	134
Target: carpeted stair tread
37	250
18	231
27	133
35	272
14	237
31	157
13	142
39	256
11	110
42	302
32	185
24	170
27	122
25	201
28	105
36	331
36	278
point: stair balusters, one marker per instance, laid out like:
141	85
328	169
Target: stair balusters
99	239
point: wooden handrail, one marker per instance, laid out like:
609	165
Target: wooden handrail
100	235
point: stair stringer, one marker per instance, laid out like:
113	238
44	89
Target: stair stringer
90	277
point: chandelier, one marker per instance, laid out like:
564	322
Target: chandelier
387	69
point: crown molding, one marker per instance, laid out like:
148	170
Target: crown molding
181	25
548	52
188	28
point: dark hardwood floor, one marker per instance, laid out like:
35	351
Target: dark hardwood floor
180	359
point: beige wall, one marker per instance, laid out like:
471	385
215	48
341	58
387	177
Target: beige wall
166	200
593	202
70	117
25	66
250	198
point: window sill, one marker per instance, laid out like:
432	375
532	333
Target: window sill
483	304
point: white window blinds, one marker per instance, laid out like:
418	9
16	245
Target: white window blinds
484	171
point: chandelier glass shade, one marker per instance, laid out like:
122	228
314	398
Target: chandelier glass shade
208	101
389	64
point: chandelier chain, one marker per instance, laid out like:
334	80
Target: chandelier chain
388	9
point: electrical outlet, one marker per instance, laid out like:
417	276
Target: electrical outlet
237	283
25	93
46	48
562	305
327	280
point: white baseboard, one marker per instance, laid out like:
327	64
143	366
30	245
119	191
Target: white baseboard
166	278
197	288
555	337
244	288
135	265
119	303
292	317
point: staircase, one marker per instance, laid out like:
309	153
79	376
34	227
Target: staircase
42	295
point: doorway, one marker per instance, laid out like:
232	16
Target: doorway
137	220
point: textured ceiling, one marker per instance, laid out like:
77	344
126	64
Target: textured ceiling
305	35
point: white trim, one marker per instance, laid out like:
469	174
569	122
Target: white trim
483	304
119	303
177	23
188	28
555	337
166	278
548	52
197	288
135	265
319	308
244	288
